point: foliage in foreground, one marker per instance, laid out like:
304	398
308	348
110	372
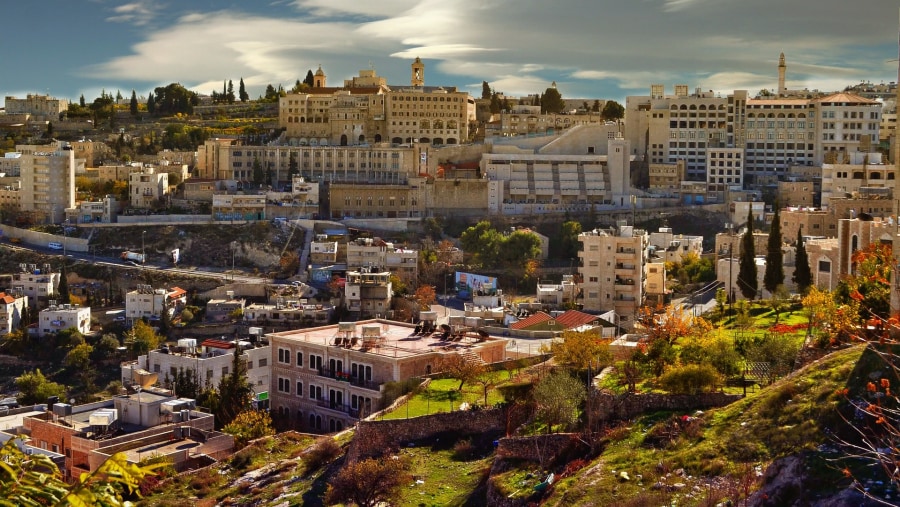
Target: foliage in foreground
32	480
369	482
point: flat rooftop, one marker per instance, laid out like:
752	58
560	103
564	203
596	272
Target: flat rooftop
396	339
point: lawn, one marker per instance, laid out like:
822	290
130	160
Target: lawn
443	395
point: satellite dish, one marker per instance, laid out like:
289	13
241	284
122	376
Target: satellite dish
71	401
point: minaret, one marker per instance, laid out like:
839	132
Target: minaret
418	73
319	78
782	68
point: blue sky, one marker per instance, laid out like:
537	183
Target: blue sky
591	48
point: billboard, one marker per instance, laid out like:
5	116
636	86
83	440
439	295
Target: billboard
472	284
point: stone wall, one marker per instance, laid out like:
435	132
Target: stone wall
611	407
536	448
42	239
374	438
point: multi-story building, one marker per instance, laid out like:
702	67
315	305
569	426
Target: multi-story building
48	180
12	305
379	255
288	313
356	200
813	222
10	164
367	110
55	318
796	193
558	295
368	293
524	120
667	177
41	107
87	435
657	293
209	362
38	284
858	234
725	170
671	247
147	302
147	187
322	251
824	257
89	212
612	271
856	173
324	379
220	310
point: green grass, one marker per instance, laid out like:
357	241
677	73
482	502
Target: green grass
442	395
445	480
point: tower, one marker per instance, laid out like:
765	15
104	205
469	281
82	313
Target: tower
418	73
319	78
782	68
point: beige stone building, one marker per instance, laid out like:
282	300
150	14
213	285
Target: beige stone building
858	234
612	271
856	174
48	180
147	188
671	247
325	379
796	194
230	207
813	222
368	293
41	107
667	177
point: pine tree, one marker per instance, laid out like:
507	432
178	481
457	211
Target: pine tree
242	92
230	93
774	257
310	80
134	103
802	272
63	288
81	100
165	322
235	391
747	272
151	103
259	176
485	90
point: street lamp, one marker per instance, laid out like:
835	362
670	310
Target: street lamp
143	250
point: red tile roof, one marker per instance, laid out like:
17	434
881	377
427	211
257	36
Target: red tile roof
532	320
6	298
573	318
217	344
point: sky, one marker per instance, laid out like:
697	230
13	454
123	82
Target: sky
592	49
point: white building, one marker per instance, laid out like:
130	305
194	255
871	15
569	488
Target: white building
55	318
37	284
209	361
11	308
145	301
48	180
558	295
673	247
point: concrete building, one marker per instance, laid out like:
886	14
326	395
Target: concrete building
55	318
230	207
671	247
48	181
376	254
813	222
324	379
657	293
209	361
38	284
824	259
525	120
144	424
11	164
147	188
368	294
12	305
856	174
221	310
558	296
724	171
104	211
147	302
612	271
798	194
287	312
667	178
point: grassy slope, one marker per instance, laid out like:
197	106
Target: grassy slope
735	441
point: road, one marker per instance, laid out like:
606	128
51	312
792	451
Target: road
225	276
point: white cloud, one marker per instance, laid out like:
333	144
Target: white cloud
137	13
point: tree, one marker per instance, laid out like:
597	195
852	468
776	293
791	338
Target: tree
495	105
369	482
235	391
143	338
581	350
186	384
107	346
133	107
458	367
79	360
595	108
558	397
568	240
483	242
230	93
293	166
747	282
165	322
552	101
774	275
62	289
612	111
310	79
249	425
425	296
802	272
690	379
174	98
151	103
81	100
49	133
259	176
485	90
34	387
271	95
242	92
33	479
868	289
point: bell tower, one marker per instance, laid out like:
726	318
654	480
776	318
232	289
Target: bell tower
418	73
319	78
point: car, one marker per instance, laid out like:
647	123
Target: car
119	318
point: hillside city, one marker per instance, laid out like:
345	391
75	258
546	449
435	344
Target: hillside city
366	293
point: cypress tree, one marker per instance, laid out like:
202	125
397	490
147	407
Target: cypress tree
134	103
242	92
310	80
63	288
151	103
774	258
802	272
747	272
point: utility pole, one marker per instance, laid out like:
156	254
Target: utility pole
730	227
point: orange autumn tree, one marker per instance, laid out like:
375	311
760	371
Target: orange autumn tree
868	289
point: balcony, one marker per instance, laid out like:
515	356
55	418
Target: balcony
343	376
346	409
624	283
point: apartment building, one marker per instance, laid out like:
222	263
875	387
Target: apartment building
48	180
671	247
12	304
209	361
230	207
55	318
37	284
796	193
724	171
856	173
667	178
379	255
558	295
286	312
612	271
368	293
148	187
324	379
10	164
147	302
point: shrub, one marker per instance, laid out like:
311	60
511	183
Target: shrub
322	453
690	379
243	458
464	449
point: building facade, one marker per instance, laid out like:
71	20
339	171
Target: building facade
612	271
56	318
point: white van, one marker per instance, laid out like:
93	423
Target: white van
55	245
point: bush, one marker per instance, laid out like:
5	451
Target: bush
243	458
322	453
690	379
464	450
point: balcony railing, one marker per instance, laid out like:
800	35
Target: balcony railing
343	376
347	409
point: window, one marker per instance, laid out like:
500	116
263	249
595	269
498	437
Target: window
299	358
284	385
315	392
361	371
315	362
263	361
825	266
284	355
299	388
